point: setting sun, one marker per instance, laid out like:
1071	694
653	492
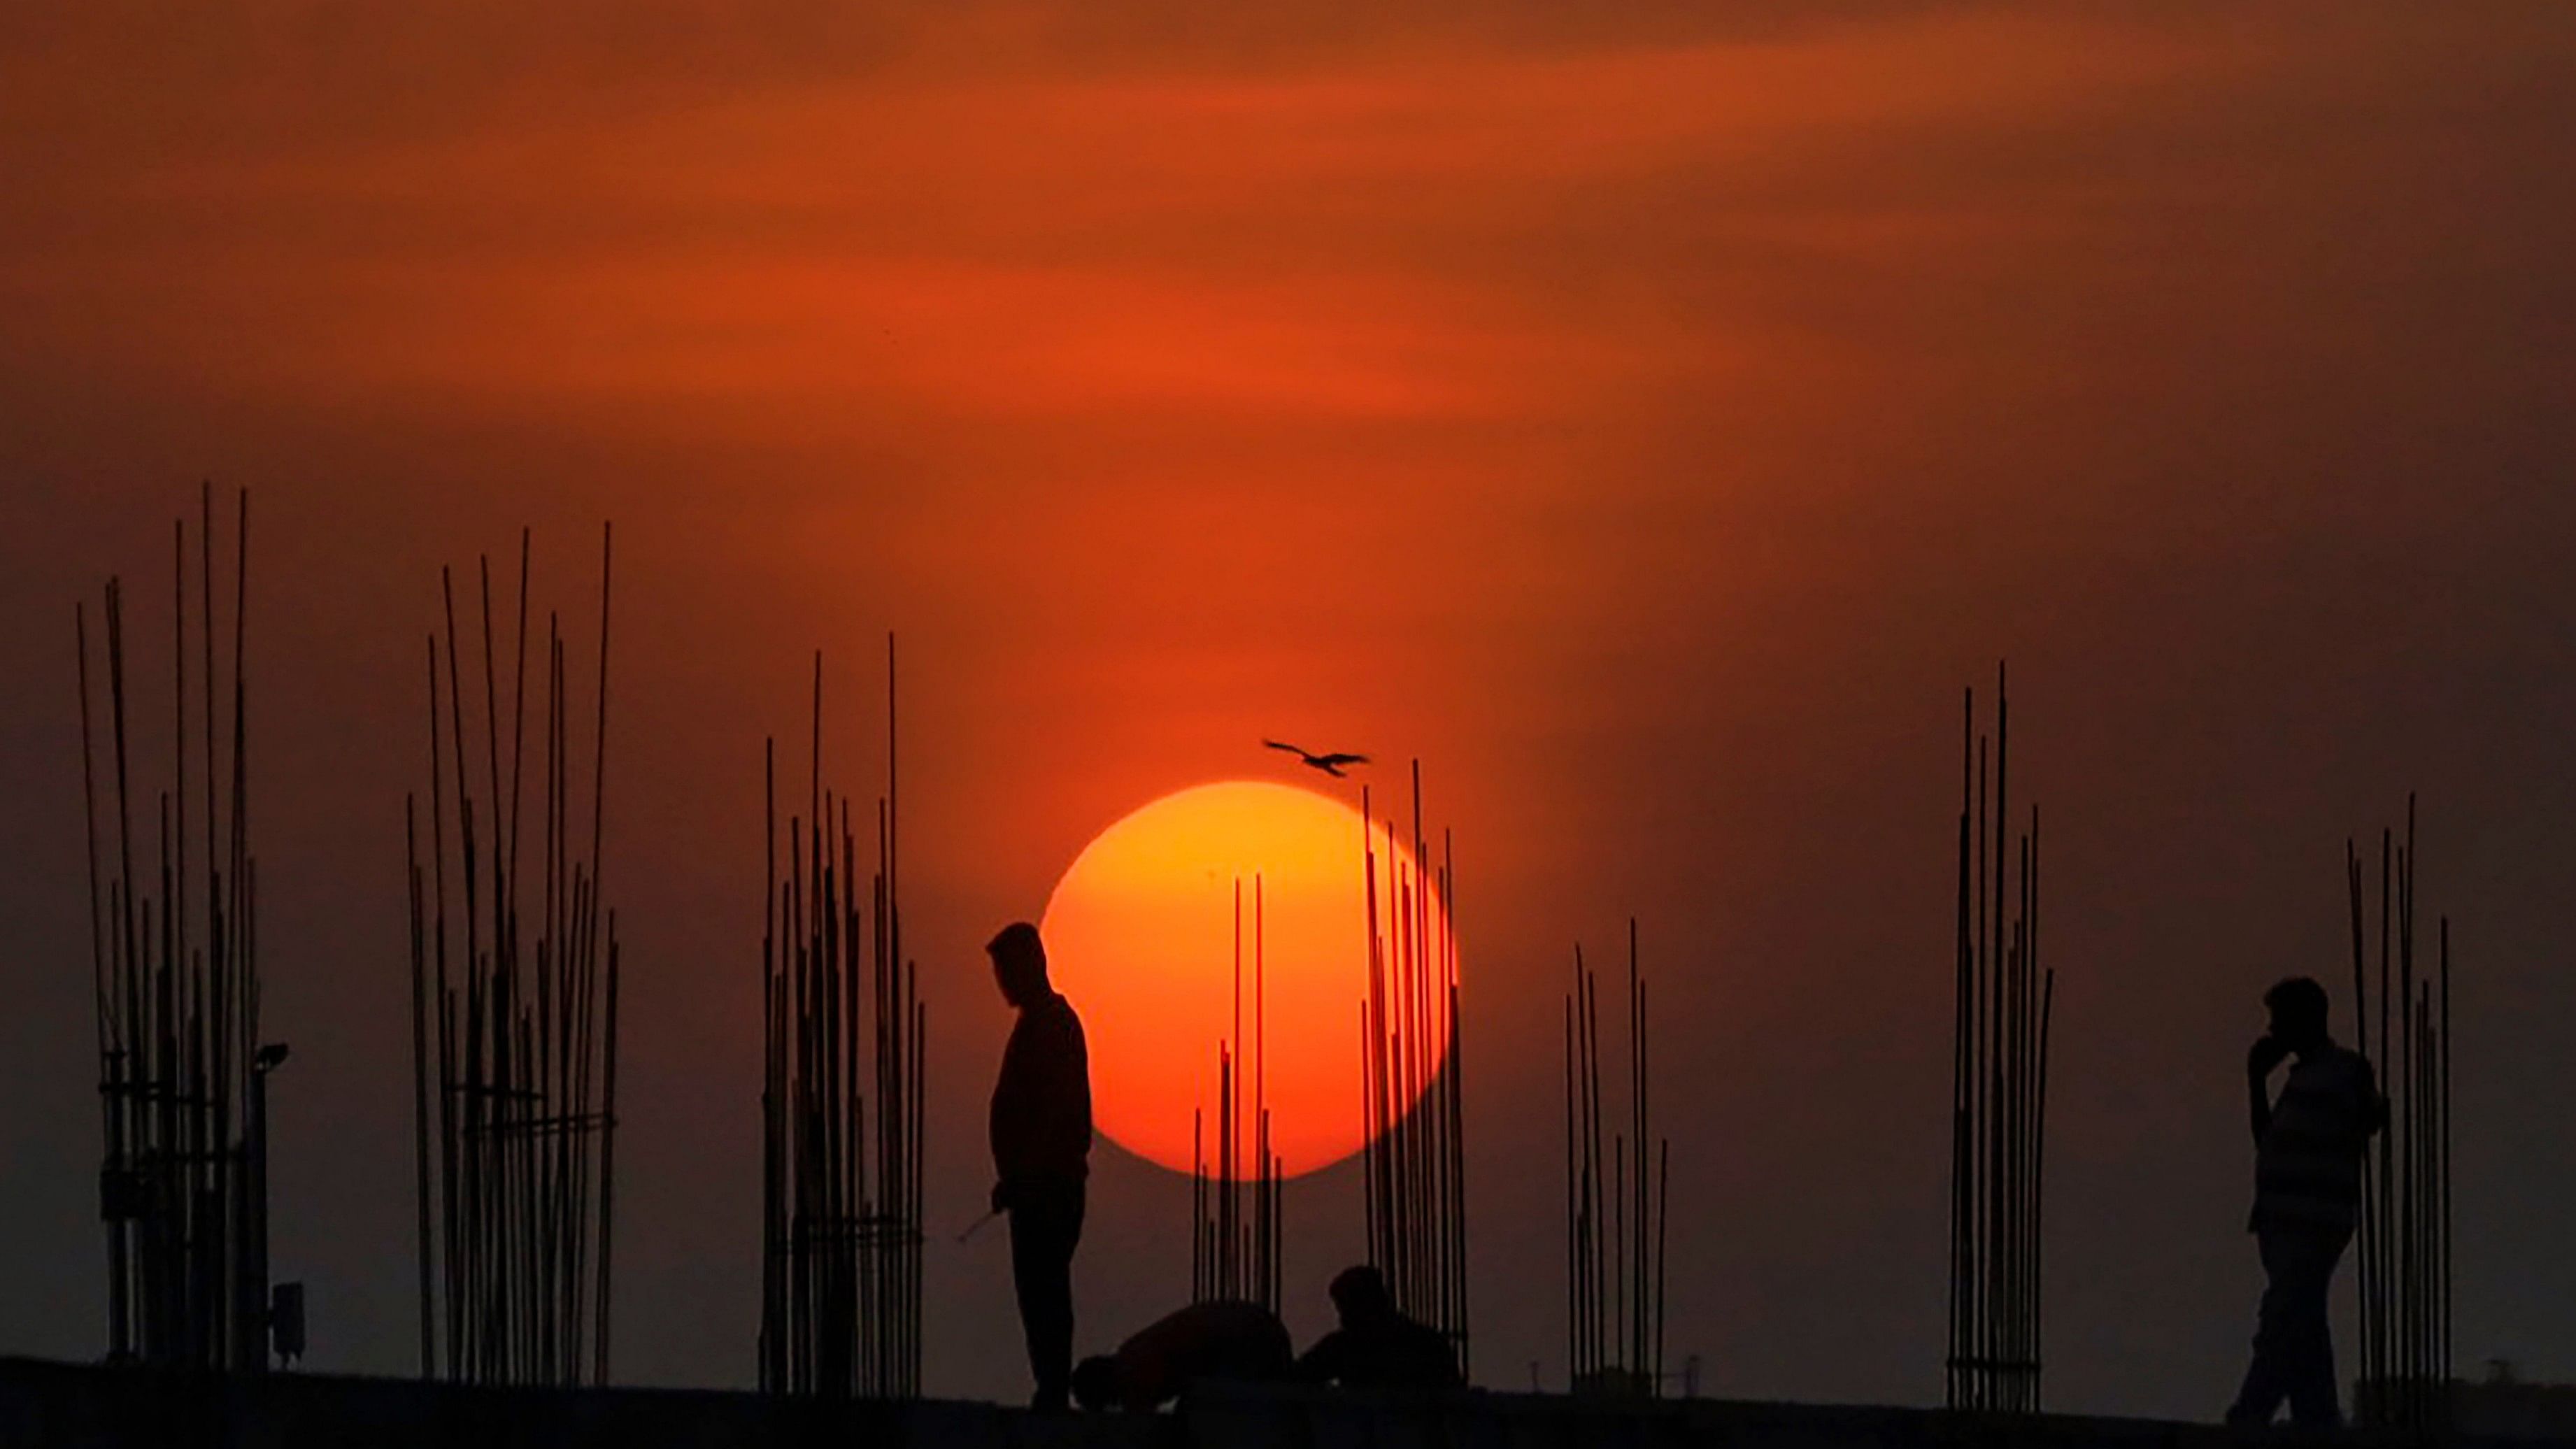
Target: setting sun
1140	935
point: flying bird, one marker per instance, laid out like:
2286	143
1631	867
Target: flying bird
1329	764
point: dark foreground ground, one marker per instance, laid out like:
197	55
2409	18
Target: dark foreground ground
74	1406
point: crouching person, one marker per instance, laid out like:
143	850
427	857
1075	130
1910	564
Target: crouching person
1226	1339
1377	1347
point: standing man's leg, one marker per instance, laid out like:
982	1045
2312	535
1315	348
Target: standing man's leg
2267	1378
1057	1383
2312	1388
1046	1227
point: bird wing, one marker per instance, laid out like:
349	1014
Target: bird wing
1283	745
1342	759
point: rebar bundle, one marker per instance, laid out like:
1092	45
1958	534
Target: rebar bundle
1617	1219
1998	1090
1415	1178
514	1021
1235	1250
2405	1219
841	1243
183	1182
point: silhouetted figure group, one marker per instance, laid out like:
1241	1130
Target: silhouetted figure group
1041	1139
2309	1140
1376	1347
2309	1144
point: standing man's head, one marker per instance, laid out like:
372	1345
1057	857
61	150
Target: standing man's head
1019	963
2298	1007
1360	1296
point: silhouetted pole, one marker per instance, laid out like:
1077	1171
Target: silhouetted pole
176	991
514	1038
2003	999
1617	1211
1414	1177
1234	1252
2404	1277
841	1190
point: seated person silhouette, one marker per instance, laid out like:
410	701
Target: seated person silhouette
1223	1339
1377	1347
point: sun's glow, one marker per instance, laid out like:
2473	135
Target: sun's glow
1140	935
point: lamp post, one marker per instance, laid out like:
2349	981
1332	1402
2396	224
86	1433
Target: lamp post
255	1318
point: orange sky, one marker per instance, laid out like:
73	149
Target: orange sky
1650	418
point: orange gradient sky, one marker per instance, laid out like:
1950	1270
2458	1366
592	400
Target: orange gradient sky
1648	415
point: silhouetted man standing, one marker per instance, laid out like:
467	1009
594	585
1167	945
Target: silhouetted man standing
1041	1135
2307	1187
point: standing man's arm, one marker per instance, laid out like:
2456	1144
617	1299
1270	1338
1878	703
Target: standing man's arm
2266	1054
1324	1363
1010	1111
1065	1098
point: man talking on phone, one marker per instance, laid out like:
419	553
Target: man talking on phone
2309	1143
